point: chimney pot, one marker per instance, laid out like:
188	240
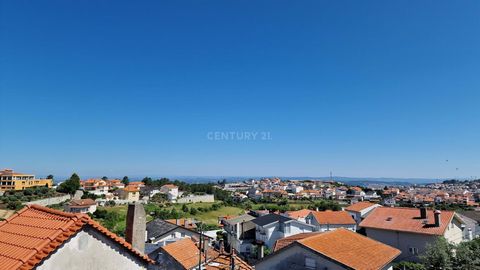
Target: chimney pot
423	212
437	215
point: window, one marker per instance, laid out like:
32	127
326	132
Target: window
310	263
413	250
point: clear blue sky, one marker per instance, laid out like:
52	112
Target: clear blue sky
360	88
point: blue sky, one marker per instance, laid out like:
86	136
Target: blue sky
359	88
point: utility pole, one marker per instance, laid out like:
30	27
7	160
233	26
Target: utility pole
200	247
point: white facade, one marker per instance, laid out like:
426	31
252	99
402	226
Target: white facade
358	216
90	249
270	233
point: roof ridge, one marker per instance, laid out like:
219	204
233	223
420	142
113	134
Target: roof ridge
54	211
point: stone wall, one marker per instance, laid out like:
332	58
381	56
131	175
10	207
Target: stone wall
50	201
196	199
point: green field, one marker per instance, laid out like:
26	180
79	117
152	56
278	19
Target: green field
211	217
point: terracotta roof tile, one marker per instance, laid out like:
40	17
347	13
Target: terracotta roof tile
30	235
357	207
333	217
351	249
283	242
299	213
406	219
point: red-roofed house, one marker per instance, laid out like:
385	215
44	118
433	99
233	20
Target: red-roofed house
331	220
411	229
337	250
360	210
41	238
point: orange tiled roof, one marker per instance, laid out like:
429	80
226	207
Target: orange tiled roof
82	202
299	213
357	207
186	252
407	220
333	217
169	186
33	233
131	188
351	249
223	262
283	242
182	221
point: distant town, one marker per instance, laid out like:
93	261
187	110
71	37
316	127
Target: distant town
264	223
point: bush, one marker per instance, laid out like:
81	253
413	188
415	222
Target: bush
193	211
408	266
14	205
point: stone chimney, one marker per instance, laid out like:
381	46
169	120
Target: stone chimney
423	212
437	215
136	226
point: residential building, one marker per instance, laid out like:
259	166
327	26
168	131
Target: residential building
299	215
186	255
331	220
11	180
161	232
411	229
171	191
81	206
129	193
240	233
95	186
271	227
360	210
472	223
340	249
41	238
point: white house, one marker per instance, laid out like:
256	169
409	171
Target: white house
411	229
171	191
81	206
161	232
271	227
41	238
335	250
240	233
331	220
360	210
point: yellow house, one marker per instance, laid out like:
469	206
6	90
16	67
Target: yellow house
10	180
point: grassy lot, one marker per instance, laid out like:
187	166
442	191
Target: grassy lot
117	224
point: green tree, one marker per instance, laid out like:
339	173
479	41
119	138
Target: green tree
125	180
50	176
104	178
467	255
70	185
438	255
185	208
193	211
147	181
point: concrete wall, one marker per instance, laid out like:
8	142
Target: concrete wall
50	201
91	250
196	198
404	240
294	259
